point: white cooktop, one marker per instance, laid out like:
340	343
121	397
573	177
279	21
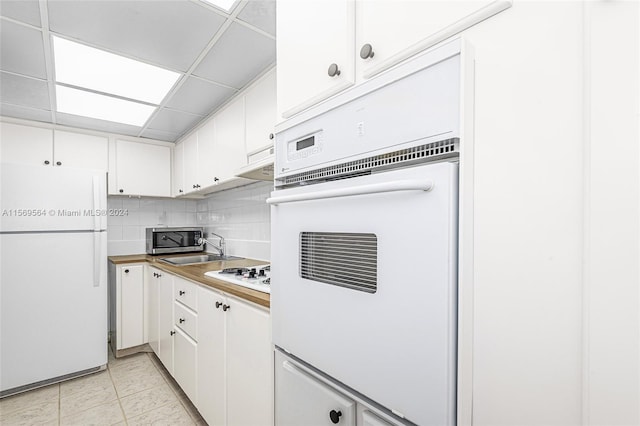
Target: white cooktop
254	277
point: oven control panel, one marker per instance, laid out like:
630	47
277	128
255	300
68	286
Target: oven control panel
305	146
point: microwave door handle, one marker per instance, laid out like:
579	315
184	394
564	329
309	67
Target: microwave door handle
374	188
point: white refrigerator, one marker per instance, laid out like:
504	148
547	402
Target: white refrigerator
53	273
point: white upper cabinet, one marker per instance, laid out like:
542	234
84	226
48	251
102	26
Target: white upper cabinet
315	39
260	113
81	151
25	145
207	154
34	145
190	163
177	181
142	169
228	142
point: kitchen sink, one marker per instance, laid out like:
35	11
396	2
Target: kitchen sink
195	259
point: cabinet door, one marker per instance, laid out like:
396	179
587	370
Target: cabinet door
260	113
249	364
131	301
311	37
177	182
81	151
143	169
190	163
228	149
165	322
154	309
207	161
394	27
211	357
184	363
370	419
25	144
302	399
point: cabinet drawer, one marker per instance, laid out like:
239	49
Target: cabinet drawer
186	293
186	320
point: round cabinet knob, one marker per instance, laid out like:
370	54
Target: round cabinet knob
58	163
215	179
172	333
333	70
218	304
181	292
366	51
271	136
47	162
181	320
226	307
121	191
180	191
335	416
126	271
194	187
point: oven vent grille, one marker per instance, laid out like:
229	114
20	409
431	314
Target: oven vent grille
428	152
343	259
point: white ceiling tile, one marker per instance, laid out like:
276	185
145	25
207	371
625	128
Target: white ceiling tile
21	50
160	135
95	124
199	96
173	121
167	33
261	14
8	110
24	91
27	11
239	56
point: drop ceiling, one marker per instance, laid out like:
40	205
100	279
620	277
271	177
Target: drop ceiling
216	53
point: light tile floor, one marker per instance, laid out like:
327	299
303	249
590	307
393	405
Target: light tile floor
135	390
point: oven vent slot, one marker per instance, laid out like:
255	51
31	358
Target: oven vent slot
343	259
418	154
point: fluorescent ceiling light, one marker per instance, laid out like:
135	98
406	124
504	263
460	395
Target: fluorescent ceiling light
82	66
88	104
222	4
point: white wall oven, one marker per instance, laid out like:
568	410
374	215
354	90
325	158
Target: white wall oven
364	256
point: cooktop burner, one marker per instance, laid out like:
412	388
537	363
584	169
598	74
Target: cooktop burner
254	277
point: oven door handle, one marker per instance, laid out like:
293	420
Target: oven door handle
374	188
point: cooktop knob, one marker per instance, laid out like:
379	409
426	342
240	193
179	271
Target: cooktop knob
261	273
252	273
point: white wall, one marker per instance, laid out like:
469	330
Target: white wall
126	232
242	217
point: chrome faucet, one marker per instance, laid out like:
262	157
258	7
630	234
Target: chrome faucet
220	248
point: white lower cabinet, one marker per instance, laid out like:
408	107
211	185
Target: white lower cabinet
165	320
185	363
234	361
126	300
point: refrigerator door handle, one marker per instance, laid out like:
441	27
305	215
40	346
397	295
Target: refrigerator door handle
99	210
97	258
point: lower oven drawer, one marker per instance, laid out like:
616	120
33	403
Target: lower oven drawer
364	285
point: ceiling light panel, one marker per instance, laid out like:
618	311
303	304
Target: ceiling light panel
95	69
88	104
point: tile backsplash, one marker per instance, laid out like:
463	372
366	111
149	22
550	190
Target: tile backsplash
240	215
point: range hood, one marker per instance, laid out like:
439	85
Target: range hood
260	165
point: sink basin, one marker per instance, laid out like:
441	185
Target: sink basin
195	259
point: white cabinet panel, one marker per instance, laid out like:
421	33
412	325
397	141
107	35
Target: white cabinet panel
25	144
165	323
184	363
207	154
131	301
260	113
154	309
186	320
229	147
177	182
186	293
311	37
81	151
142	169
211	357
190	164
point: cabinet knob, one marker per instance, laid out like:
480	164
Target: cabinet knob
121	191
181	320
47	162
218	304
194	186
181	292
366	51
271	136
58	163
333	70
215	179
226	307
172	332
335	416
126	271
180	191
198	186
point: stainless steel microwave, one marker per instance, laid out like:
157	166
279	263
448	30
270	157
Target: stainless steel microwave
174	240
